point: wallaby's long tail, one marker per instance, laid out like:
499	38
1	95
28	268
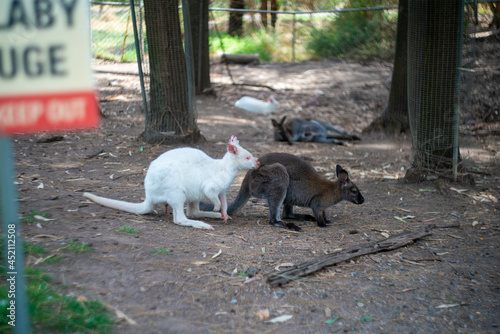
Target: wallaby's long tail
242	197
138	208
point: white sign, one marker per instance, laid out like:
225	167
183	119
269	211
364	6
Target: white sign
45	77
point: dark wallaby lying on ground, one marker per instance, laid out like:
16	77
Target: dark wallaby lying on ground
308	130
287	180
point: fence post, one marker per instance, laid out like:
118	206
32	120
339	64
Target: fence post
139	59
125	37
456	115
293	38
188	51
13	248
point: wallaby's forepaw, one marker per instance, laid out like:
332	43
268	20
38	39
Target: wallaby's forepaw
225	216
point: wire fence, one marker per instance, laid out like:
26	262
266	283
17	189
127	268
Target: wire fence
289	35
296	34
112	35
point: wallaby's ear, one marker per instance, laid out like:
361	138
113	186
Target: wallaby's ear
342	175
275	123
232	149
283	120
232	145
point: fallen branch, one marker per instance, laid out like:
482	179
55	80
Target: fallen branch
431	226
306	268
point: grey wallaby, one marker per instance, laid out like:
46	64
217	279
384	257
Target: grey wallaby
308	130
286	180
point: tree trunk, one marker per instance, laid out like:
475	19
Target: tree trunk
273	6
171	117
434	49
198	15
236	19
394	119
495	10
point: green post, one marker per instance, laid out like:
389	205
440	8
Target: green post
293	39
17	308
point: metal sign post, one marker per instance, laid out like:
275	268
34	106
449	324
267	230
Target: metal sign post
17	308
45	85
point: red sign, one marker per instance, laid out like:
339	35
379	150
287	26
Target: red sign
33	113
45	77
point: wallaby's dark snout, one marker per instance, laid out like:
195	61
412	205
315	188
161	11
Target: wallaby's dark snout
360	200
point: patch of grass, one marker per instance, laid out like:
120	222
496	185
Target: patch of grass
356	35
266	44
109	35
51	311
34	249
77	246
128	229
161	251
30	217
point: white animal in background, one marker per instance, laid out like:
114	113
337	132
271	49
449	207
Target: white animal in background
257	106
187	176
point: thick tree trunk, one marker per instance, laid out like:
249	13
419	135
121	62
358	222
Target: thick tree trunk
269	5
170	118
198	14
394	119
236	19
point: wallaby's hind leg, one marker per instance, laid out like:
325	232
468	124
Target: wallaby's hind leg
271	182
328	140
181	219
193	210
288	213
275	204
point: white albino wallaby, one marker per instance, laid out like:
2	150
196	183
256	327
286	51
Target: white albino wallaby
187	176
257	106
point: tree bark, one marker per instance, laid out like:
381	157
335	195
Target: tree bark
236	19
394	119
171	117
198	14
495	10
264	6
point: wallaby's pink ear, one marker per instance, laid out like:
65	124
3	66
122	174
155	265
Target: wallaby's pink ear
232	145
232	149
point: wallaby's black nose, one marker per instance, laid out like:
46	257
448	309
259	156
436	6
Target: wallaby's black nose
361	200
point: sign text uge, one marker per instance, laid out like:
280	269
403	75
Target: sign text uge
34	60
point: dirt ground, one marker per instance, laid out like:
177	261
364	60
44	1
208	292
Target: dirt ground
445	283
